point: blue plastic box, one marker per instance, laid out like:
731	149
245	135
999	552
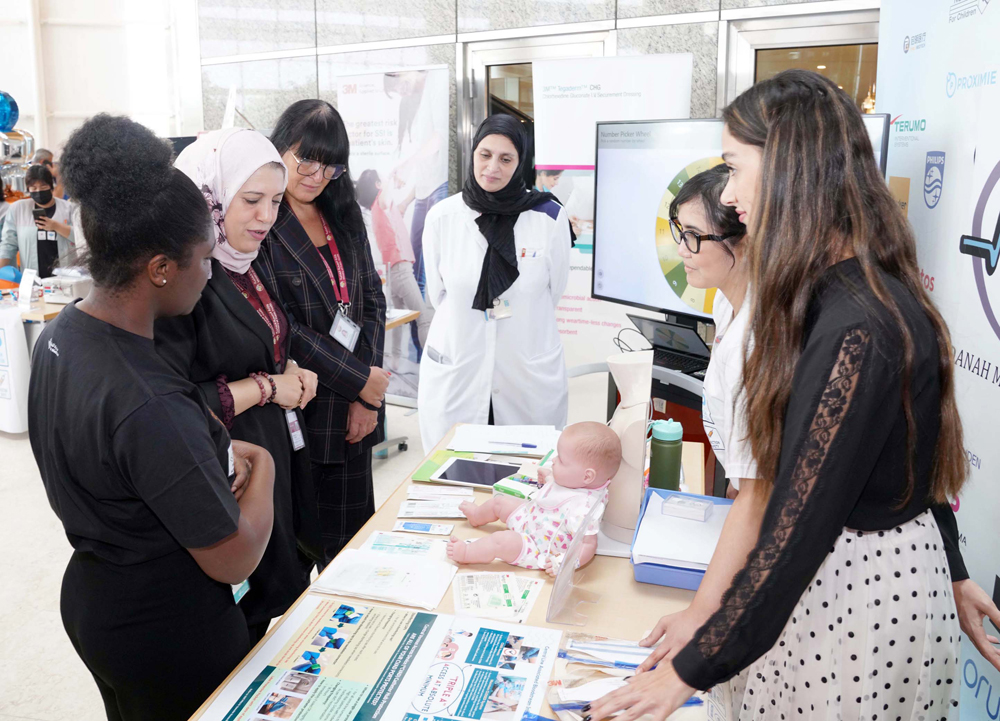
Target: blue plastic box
668	575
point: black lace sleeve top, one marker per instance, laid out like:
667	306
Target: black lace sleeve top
842	464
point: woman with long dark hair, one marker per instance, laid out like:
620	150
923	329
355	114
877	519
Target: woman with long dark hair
137	467
318	262
845	607
497	258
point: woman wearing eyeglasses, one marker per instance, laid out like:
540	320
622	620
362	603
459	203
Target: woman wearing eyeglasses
317	261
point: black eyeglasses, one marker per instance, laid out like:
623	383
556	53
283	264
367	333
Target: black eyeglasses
309	167
693	240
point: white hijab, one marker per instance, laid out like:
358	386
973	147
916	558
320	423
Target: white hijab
219	163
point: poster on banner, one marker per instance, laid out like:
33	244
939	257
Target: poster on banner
944	156
350	662
397	122
570	97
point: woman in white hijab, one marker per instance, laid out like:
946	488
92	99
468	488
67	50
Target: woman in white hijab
235	347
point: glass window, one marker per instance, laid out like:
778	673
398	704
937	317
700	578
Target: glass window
852	67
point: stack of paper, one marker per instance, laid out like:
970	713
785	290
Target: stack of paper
502	596
534	441
444	507
404	579
679	542
402	544
439	493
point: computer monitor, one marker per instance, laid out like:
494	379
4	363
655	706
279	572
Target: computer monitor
639	167
877	125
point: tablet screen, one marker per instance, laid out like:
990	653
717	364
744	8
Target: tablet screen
480	473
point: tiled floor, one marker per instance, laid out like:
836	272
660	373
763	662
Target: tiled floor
41	677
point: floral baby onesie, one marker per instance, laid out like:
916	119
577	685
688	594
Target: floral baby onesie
548	522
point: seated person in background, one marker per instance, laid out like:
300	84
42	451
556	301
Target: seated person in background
393	240
540	530
37	227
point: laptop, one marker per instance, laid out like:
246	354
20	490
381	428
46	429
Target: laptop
675	347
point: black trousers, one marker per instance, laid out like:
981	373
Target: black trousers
158	637
346	500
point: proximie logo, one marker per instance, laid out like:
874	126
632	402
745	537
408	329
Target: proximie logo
933	178
972	81
908	126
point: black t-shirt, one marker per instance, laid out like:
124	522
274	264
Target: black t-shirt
48	250
133	462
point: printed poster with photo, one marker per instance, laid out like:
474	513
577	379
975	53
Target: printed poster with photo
397	121
349	662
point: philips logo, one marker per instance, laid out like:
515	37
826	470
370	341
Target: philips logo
973	81
933	178
53	349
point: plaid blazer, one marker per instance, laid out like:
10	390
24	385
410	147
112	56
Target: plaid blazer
293	271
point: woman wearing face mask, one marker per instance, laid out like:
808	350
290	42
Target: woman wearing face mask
235	347
134	463
37	227
497	258
844	606
319	262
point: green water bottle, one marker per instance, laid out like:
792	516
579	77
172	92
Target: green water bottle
665	455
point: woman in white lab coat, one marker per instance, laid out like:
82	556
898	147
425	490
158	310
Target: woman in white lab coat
497	259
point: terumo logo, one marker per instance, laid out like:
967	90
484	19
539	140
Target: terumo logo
971	81
901	125
964	9
933	178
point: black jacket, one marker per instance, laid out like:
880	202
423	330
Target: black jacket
293	271
224	335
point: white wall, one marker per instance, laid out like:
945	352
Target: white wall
76	58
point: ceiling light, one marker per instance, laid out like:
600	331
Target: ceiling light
821	67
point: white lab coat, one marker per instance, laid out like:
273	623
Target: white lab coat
516	362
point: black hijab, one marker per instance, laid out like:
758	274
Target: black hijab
500	211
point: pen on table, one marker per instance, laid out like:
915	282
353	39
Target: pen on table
513	443
579	706
598	662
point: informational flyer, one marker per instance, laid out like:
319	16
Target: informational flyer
349	662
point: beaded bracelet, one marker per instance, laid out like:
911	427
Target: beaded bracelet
274	387
263	391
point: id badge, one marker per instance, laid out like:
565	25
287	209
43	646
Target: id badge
240	590
295	430
500	310
345	331
50	235
41	234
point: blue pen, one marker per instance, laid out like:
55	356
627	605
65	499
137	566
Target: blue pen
579	706
597	662
513	443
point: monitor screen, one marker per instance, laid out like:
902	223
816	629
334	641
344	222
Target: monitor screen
670	337
640	166
877	125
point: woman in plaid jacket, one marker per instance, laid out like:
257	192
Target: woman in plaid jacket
317	261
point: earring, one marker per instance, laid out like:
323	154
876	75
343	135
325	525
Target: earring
164	282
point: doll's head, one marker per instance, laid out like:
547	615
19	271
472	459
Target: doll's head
588	455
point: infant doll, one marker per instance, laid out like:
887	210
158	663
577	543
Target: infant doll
540	530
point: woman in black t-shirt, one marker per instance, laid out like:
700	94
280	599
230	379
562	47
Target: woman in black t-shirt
159	505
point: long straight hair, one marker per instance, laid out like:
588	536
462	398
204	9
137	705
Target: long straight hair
821	198
317	129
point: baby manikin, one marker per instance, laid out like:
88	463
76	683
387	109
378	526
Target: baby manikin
540	530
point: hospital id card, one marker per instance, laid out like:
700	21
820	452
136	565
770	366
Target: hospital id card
295	430
345	331
500	310
240	590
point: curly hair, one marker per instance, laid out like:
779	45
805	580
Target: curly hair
133	203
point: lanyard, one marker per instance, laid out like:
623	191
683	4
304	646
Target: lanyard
267	311
339	286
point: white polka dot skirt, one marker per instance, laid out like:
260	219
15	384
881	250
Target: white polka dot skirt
874	637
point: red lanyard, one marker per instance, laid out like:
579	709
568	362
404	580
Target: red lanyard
339	286
267	311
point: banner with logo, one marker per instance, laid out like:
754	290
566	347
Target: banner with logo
570	96
397	122
938	79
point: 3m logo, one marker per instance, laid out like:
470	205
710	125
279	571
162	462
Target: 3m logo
351	89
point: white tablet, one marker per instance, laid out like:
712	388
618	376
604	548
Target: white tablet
467	472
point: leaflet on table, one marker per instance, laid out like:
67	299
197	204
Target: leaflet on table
349	662
407	580
496	595
435	529
438	492
447	508
399	544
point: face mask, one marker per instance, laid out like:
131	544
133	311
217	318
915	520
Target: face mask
42	197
